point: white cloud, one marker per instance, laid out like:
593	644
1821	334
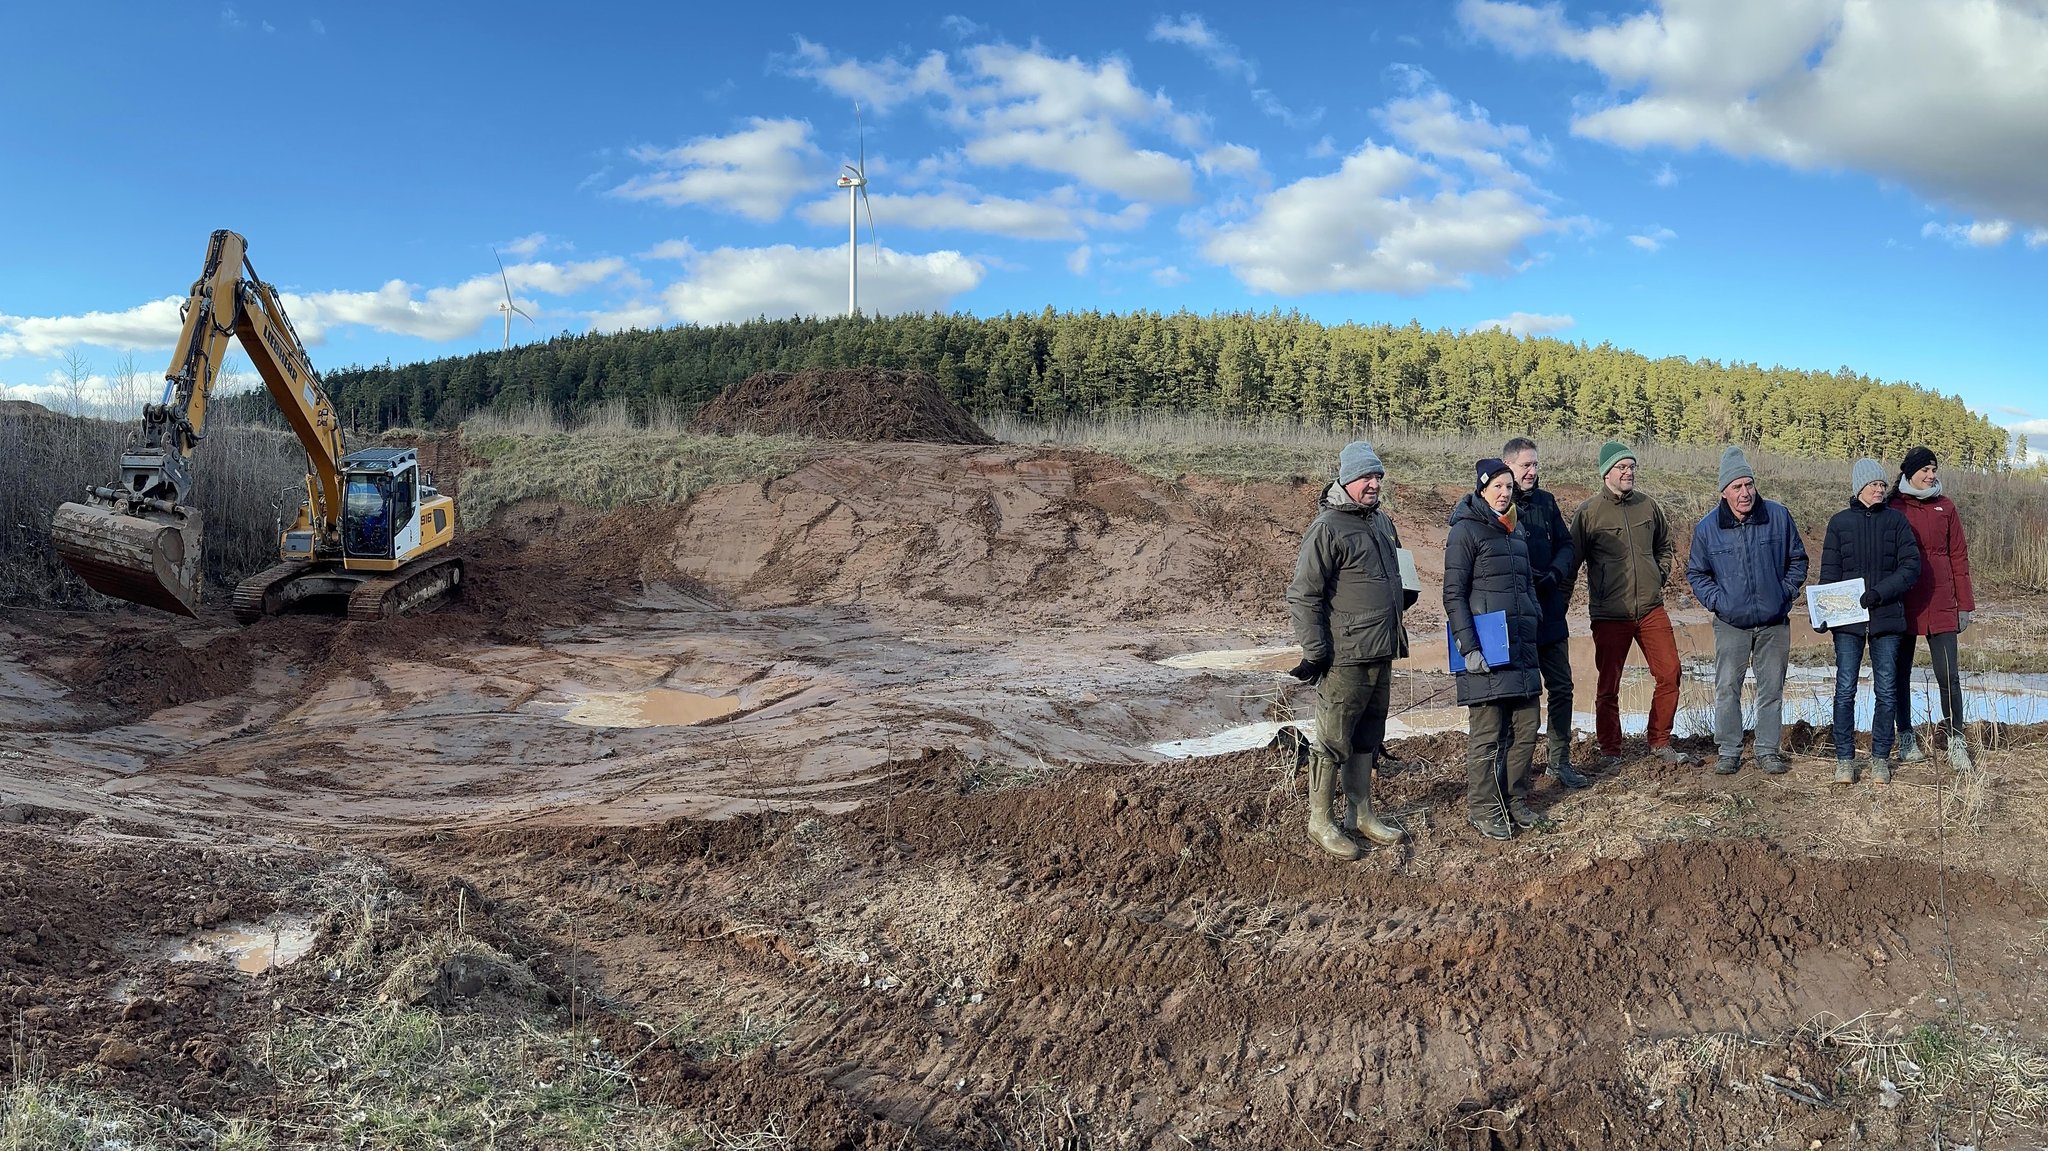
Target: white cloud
1023	108
319	27
1947	97
154	325
669	250
524	246
639	314
1323	149
729	285
2038	238
1654	239
1976	233
1169	277
1665	177
754	172
1526	324
1232	159
1390	221
1062	215
1191	31
1077	260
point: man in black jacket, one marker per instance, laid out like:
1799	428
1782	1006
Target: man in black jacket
1556	564
1346	602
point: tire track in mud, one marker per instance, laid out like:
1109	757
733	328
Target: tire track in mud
1160	952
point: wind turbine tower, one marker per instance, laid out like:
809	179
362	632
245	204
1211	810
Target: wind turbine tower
508	307
855	181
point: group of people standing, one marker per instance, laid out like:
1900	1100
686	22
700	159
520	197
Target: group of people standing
1510	550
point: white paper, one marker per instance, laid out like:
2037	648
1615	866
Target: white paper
1834	604
1409	580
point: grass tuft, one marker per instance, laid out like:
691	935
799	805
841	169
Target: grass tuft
605	470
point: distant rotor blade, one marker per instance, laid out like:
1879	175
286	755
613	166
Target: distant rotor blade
872	238
863	124
501	274
521	311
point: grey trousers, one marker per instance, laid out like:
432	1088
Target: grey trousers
1737	651
1351	708
1498	751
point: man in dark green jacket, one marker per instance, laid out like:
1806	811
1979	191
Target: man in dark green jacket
1627	549
1346	601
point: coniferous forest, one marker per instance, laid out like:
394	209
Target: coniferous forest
1256	366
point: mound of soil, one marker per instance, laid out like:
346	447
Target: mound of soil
865	404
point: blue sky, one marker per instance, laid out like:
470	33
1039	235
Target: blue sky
1806	182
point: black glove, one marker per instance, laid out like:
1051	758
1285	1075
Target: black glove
1546	583
1821	628
1869	599
1310	670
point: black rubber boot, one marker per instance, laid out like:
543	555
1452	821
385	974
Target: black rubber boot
1358	813
1561	768
1322	788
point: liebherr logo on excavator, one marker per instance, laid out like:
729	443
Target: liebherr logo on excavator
283	354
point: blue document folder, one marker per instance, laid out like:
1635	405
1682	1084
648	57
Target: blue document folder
1493	641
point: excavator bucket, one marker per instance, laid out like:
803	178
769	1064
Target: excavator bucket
150	559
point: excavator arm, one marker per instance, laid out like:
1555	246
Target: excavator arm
140	540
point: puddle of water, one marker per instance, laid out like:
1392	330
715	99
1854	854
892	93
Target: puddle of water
252	947
656	707
1236	659
1244	737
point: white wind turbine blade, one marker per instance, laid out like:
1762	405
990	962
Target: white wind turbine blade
873	240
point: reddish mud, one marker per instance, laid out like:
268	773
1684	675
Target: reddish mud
865	752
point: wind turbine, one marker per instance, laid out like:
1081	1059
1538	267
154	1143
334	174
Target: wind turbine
508	307
855	181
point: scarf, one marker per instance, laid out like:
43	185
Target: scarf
1906	486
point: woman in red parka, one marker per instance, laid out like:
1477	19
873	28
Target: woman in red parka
1939	605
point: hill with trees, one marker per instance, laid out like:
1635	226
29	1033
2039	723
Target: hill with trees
1256	366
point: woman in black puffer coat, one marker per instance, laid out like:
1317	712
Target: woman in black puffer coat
1487	569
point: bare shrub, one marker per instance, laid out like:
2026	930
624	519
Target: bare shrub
244	478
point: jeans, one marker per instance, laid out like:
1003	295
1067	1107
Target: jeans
1941	651
1611	638
1884	670
1737	651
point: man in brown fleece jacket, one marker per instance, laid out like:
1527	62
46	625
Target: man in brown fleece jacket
1627	549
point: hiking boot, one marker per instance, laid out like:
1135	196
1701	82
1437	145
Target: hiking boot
1845	771
1524	816
1909	748
1880	771
1771	764
1561	769
1728	765
1322	788
1359	818
1493	825
1959	755
1671	756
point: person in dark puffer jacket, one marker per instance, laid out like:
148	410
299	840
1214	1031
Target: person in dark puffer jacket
1939	605
1874	543
1487	569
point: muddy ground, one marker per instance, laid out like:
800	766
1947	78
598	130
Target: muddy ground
862	761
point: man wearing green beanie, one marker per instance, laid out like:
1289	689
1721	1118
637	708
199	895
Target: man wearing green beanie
1627	550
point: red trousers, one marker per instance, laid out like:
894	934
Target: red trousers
1611	638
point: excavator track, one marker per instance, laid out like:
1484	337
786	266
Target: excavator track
255	596
417	585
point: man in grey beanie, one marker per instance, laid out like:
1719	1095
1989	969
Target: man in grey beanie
1746	567
1346	602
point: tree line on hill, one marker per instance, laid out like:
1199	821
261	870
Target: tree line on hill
1257	366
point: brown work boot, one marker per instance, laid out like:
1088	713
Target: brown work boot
1359	818
1322	788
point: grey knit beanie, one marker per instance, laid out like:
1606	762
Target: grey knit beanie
1358	459
1866	471
1734	466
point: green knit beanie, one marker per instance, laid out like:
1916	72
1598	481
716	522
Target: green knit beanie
1611	453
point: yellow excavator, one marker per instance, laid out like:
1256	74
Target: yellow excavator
372	529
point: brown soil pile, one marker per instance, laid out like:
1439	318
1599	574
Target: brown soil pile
1158	958
863	404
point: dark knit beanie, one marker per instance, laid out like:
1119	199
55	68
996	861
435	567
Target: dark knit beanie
1487	469
1915	460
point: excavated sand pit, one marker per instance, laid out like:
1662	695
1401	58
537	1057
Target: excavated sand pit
869	762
